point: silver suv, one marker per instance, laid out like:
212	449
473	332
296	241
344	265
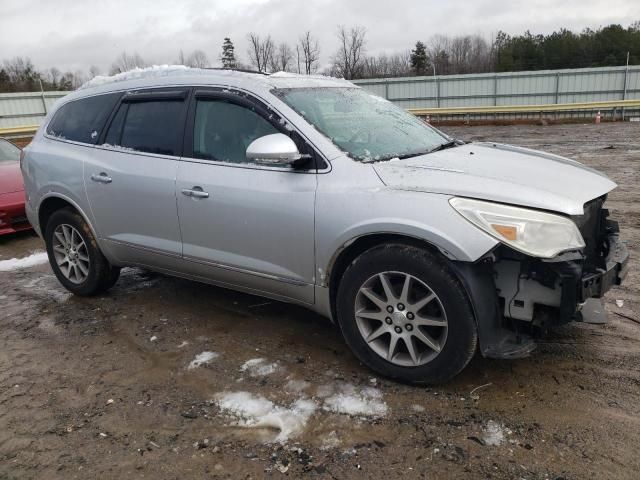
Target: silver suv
310	190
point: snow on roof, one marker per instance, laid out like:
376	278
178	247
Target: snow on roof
278	79
292	80
137	73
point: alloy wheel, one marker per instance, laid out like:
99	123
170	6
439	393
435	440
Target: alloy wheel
71	254
401	318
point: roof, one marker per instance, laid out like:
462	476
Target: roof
159	75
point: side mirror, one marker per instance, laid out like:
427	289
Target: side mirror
274	149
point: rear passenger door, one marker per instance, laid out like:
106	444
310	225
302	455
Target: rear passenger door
244	224
130	180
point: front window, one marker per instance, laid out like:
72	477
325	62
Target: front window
368	128
223	130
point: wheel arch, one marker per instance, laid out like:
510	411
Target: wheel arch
54	202
344	256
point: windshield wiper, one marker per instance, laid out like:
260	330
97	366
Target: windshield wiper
411	155
449	144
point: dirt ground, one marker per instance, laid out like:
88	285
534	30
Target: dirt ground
101	387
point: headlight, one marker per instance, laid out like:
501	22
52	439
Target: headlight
535	233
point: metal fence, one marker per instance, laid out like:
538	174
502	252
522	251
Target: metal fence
26	109
535	88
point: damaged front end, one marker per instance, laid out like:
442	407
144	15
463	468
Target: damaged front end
516	295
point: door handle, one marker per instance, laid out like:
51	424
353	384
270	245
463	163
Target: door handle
101	178
195	192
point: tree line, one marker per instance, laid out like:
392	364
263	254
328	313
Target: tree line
439	55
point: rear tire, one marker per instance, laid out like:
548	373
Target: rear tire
75	257
405	314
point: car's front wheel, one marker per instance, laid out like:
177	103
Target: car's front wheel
75	257
406	315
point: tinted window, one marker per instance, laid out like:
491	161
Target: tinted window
222	131
150	126
115	129
83	120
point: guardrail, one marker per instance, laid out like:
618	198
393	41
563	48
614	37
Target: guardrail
24	131
545	108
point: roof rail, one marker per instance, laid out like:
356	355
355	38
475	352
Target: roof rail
243	70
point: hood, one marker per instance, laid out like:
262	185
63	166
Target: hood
500	173
10	177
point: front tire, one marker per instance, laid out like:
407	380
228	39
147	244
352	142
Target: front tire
75	257
406	315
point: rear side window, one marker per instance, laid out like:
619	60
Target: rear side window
149	126
83	120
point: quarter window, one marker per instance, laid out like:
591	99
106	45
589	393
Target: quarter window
223	130
83	120
149	126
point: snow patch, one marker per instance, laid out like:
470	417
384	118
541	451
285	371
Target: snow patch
349	400
117	147
48	286
296	386
201	359
493	433
153	71
292	80
330	441
37	258
259	367
254	411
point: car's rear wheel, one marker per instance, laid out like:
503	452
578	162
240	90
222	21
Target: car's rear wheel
406	315
75	257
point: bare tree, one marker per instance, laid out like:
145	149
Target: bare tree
461	54
94	71
182	60
20	69
260	51
348	60
53	76
78	78
394	65
400	64
310	53
282	59
482	55
198	59
127	62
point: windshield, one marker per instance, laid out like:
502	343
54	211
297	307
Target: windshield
365	126
8	152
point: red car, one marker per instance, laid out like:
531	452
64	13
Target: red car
12	216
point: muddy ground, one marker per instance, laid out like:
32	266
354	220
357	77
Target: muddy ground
101	387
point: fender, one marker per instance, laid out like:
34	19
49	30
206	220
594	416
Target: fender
449	247
74	204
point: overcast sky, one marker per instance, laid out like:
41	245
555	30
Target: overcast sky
73	34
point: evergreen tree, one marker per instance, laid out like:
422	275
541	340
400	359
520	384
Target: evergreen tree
419	59
228	54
